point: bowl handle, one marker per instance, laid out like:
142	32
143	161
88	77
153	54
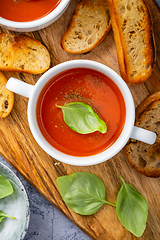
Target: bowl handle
143	135
17	86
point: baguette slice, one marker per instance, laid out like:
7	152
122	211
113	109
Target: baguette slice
23	54
143	157
89	25
6	98
131	24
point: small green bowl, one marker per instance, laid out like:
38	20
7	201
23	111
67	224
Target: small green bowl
16	205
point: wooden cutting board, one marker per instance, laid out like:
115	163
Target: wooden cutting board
19	148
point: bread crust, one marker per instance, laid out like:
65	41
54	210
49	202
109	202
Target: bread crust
6	98
88	27
132	28
146	104
143	157
23	54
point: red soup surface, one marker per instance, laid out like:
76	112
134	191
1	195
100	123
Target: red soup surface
26	10
90	87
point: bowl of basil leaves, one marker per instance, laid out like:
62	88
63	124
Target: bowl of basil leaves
14	206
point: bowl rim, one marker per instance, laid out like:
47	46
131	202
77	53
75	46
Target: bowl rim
47	19
24	193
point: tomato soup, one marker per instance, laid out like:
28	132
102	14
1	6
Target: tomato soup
90	87
26	10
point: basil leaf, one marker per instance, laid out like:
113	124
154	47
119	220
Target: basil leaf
3	215
83	192
132	209
82	119
6	188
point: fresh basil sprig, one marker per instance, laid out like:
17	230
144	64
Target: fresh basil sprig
132	209
6	188
84	193
3	215
81	118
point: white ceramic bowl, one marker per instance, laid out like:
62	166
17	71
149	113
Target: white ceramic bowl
37	24
17	205
129	130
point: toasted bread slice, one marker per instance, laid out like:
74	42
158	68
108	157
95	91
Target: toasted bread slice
6	98
89	25
23	54
143	157
132	28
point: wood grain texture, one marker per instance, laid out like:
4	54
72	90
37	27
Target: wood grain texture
19	148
